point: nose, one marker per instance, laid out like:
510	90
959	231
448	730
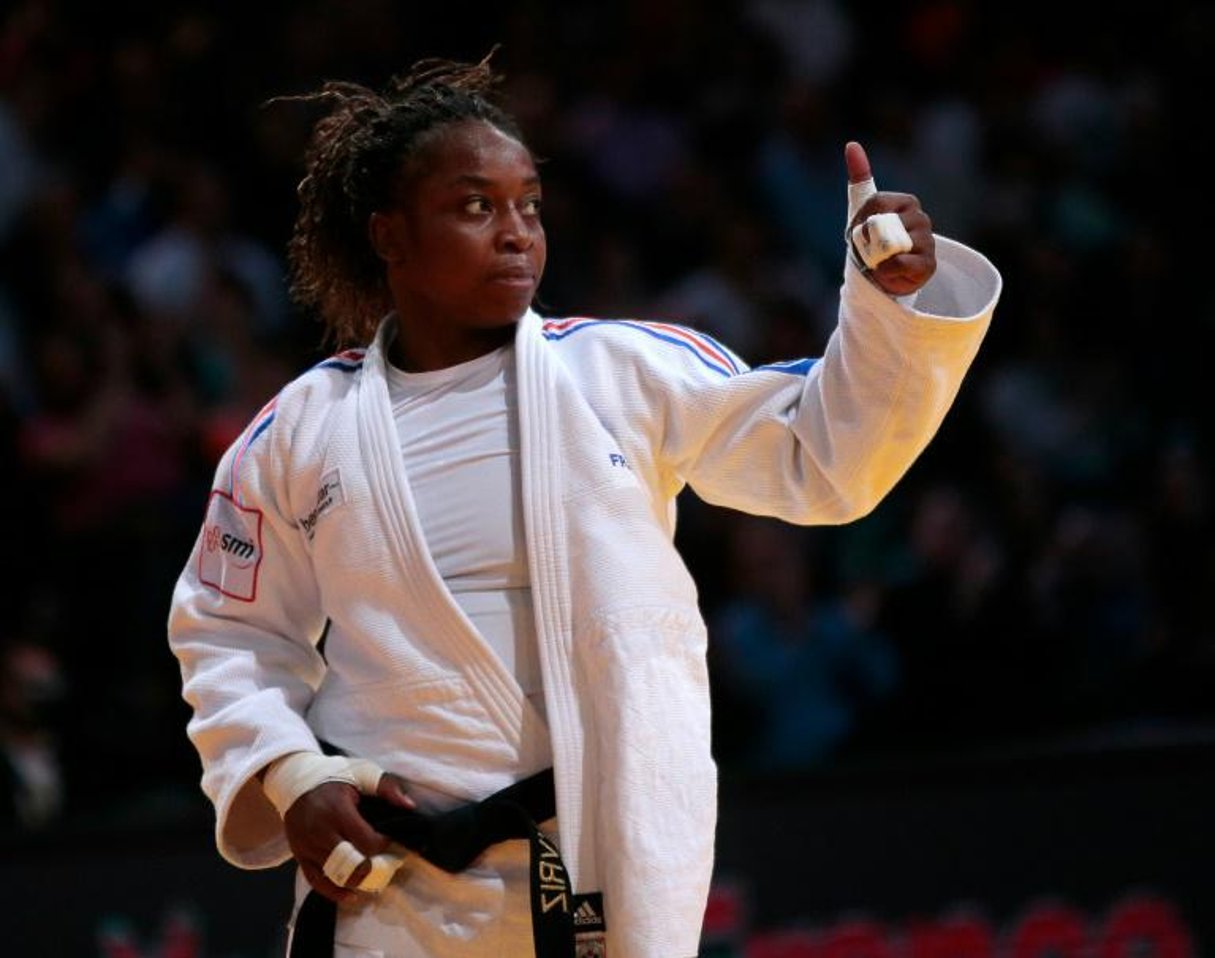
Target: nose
515	232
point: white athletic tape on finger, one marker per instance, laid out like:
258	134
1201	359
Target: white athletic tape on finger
291	776
857	194
887	236
342	862
383	867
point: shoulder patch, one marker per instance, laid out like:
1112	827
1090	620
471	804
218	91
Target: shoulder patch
231	552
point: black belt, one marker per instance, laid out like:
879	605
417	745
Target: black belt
564	925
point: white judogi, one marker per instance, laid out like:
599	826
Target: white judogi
312	530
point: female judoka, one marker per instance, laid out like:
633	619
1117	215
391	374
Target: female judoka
440	563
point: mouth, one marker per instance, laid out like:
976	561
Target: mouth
512	279
514	276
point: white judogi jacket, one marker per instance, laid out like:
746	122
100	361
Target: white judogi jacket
311	531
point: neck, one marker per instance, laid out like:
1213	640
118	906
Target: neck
417	351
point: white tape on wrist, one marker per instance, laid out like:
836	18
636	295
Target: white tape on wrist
292	775
366	774
887	236
342	862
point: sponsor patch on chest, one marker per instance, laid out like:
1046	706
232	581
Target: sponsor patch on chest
328	495
231	551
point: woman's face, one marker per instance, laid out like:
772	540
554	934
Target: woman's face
464	248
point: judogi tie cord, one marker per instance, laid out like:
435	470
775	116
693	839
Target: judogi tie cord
564	925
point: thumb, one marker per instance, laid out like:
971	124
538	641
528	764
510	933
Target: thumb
860	179
392	789
857	161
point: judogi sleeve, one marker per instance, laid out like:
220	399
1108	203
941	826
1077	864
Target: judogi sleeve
822	441
244	623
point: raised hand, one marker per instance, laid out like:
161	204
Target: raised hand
891	234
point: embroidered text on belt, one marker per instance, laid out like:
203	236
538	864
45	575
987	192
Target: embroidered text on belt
564	924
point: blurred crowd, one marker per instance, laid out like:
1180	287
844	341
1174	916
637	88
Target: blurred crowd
1041	573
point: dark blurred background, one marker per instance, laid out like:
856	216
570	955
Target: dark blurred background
1024	626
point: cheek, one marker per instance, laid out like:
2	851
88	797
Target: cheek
540	247
452	260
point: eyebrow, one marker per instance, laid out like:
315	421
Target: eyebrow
484	182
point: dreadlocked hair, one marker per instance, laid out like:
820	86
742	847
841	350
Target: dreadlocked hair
353	167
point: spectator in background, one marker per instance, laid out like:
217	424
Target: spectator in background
1093	610
105	454
793	176
20	167
952	607
32	775
803	664
170	273
727	295
1181	576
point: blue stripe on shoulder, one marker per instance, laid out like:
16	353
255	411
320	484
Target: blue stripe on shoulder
265	424
795	367
345	365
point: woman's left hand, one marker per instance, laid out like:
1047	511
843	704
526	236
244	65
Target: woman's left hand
905	271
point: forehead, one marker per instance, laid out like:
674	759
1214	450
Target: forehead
473	149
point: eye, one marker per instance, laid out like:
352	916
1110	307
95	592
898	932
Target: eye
531	206
477	205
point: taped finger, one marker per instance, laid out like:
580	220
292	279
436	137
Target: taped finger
342	862
383	867
857	194
881	236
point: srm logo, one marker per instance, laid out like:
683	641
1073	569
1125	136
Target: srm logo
242	550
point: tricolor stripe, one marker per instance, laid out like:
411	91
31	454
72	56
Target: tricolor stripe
347	361
261	422
706	349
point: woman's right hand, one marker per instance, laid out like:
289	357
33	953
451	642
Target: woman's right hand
325	816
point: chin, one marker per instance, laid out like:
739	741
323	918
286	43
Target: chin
505	315
497	323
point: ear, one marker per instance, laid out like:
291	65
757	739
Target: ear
386	232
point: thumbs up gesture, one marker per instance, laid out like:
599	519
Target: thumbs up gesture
890	234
